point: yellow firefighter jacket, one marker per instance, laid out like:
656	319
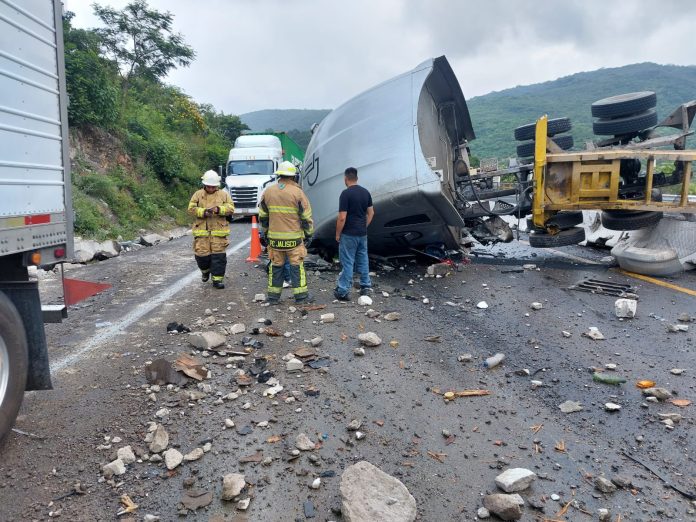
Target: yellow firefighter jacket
285	215
215	225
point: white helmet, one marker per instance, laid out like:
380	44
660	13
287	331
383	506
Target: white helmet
286	168
211	178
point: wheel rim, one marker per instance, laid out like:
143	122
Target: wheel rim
4	369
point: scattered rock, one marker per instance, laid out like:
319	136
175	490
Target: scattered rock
661	394
359	351
369	339
304	443
237	328
232	485
354	425
604	485
625	308
483	513
677	328
594	334
259	298
368	494
611	406
327	318
676	371
439	269
684	318
570	407
566	333
172	458
506	507
151	239
117	467
206	340
482	305
294	365
160	440
392	316
316	341
465	357
194	455
536	306
243	504
365	300
515	479
315	483
604	515
126	455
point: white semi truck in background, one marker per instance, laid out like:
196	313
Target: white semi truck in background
251	164
36	217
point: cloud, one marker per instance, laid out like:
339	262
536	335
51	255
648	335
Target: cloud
256	54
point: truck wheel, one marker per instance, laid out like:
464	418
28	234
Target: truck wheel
629	219
553	127
624	104
625	124
571	236
13	364
527	149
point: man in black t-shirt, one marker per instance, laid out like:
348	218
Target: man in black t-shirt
355	213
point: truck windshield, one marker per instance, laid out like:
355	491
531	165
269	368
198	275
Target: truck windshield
248	167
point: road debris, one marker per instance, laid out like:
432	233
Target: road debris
506	507
190	366
661	394
482	305
369	494
594	334
327	318
451	395
611	406
515	479
175	327
674	328
160	372
128	505
159	440
536	306
369	339
365	300
645	384
304	443
232	485
625	308
494	360
194	499
172	458
608	379
206	340
570	407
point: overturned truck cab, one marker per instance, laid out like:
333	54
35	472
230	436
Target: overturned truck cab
408	137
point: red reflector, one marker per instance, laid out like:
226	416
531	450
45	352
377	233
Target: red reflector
37	219
59	252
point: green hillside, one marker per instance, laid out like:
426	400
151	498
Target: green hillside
495	115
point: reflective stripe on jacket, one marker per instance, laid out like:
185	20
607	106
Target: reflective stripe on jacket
285	215
215	225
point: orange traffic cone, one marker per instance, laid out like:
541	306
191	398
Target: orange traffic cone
255	242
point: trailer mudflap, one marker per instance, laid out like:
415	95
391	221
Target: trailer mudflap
25	296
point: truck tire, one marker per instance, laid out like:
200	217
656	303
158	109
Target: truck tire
561	220
527	149
553	127
14	363
625	124
624	104
629	219
571	236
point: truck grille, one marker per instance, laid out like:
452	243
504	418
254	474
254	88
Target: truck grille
244	197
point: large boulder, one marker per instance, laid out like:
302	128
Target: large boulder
369	494
107	249
84	250
152	239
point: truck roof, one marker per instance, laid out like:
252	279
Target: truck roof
258	140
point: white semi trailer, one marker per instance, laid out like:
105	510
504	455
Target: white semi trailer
35	201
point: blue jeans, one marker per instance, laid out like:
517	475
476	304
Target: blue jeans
352	252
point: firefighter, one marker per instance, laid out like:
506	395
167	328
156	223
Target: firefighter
286	219
211	230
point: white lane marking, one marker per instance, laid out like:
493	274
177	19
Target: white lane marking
107	333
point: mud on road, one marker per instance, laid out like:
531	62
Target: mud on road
447	453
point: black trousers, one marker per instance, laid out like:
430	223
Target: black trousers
216	264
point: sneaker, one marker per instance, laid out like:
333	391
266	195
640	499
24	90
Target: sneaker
205	277
218	284
341	297
366	290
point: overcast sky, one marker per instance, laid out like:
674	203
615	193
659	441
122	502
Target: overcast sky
315	54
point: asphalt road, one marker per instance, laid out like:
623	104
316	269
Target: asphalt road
99	355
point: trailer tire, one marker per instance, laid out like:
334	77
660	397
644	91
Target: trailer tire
527	149
14	363
553	127
624	104
629	219
562	220
571	236
625	124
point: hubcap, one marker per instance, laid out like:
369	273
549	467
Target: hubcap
4	369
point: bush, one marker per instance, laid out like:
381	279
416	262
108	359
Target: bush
165	159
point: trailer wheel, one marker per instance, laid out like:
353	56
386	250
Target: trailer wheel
561	220
554	126
571	236
629	219
625	124
13	363
527	149
624	104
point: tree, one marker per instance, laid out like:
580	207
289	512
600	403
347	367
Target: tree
91	80
228	126
141	40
